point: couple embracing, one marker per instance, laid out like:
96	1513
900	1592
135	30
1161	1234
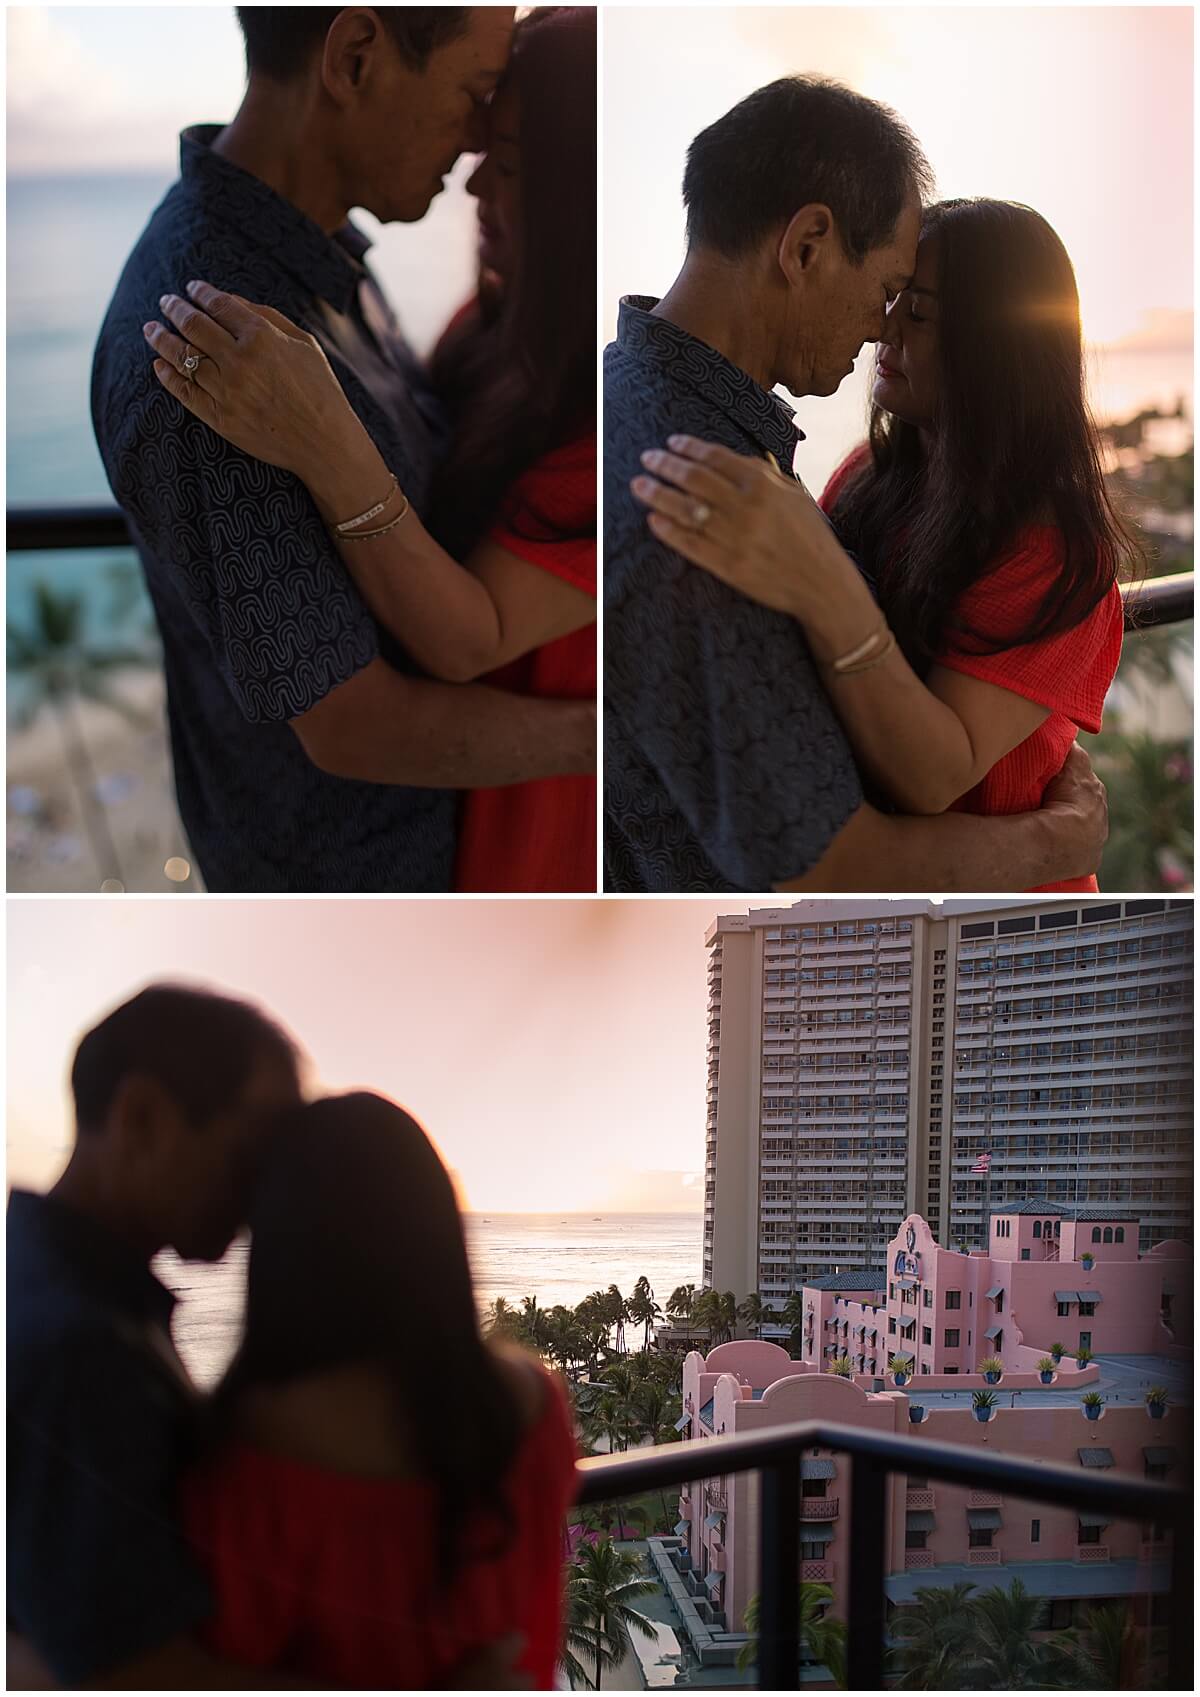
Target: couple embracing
374	578
880	690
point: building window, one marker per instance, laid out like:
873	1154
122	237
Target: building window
951	1337
811	1551
892	1324
1096	1234
1120	1234
954	1299
914	1540
999	1302
1025	1255
1064	1309
1086	1310
1037	1228
926	1337
927	1298
1035	1531
1089	1534
979	1538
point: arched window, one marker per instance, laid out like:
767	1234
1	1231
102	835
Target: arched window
1120	1234
1095	1234
1046	1229
1058	1228
1037	1228
1108	1234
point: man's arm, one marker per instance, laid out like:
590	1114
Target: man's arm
383	728
965	851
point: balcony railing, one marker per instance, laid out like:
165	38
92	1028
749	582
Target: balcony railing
1157	601
775	1456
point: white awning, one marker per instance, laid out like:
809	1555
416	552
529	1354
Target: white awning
713	1520
684	1420
682	1528
983	1519
813	1468
713	1581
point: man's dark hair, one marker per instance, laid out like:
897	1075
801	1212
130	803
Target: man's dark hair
798	141
280	40
201	1047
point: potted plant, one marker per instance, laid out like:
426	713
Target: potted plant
992	1369
901	1368
842	1366
1058	1350
916	1413
1083	1356
1156	1401
1093	1402
983	1403
1046	1368
1088	1260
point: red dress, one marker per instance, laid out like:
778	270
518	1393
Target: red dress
329	1576
542	835
1069	673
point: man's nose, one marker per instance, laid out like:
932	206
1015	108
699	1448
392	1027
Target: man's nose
889	332
475	139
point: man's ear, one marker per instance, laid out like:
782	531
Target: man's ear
350	48
810	237
138	1113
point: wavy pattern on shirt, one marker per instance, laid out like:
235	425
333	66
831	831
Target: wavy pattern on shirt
258	616
725	766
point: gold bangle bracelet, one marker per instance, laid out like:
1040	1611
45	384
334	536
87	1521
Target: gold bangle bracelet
369	535
847	662
865	665
353	524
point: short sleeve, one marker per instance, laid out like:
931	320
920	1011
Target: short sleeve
242	546
838	479
99	1571
548	517
1069	673
556	1487
721	699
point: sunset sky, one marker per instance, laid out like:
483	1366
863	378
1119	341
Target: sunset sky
554	1050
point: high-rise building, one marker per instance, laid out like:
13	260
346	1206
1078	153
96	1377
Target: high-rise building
868	1059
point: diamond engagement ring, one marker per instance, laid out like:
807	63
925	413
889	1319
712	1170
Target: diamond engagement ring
701	513
190	363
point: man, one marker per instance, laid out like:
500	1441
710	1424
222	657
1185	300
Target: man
725	766
173	1094
308	753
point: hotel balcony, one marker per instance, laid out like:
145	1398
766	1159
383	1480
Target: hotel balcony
869	1575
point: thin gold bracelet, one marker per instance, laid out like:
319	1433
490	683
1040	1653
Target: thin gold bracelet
865	665
847	662
349	525
368	535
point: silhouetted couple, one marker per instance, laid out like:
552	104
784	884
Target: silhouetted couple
373	1496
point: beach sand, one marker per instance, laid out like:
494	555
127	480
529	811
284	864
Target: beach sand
49	846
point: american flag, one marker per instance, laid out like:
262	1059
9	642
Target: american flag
983	1163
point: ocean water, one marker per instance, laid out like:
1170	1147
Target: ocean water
559	1258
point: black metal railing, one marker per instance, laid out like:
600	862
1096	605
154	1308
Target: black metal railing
775	1456
1156	601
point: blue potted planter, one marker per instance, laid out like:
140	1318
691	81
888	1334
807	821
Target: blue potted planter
1157	1410
916	1413
901	1378
992	1378
982	1404
983	1415
1046	1378
1092	1410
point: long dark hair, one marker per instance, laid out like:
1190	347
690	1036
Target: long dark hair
357	1256
519	376
1014	444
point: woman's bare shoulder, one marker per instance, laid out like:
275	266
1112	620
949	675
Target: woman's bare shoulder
531	1385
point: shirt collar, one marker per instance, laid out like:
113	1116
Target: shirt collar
324	265
108	1267
762	414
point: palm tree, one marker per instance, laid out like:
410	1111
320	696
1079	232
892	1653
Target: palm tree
1003	1648
932	1638
727	1311
793	1319
60	669
643	1310
534	1325
618	1311
501	1319
822	1639
752	1312
603	1584
707	1315
579	1635
1110	1653
681	1308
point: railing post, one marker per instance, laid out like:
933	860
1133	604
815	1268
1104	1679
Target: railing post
779	1576
868	1561
1180	1622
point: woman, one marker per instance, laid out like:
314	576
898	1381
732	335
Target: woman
976	513
384	1492
516	500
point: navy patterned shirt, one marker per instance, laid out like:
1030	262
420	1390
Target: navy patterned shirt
258	616
725	767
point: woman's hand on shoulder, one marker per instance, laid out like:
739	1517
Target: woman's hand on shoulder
253	376
742	520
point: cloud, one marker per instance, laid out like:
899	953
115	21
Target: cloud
72	108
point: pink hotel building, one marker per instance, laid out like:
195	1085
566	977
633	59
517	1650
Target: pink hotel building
947	1311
